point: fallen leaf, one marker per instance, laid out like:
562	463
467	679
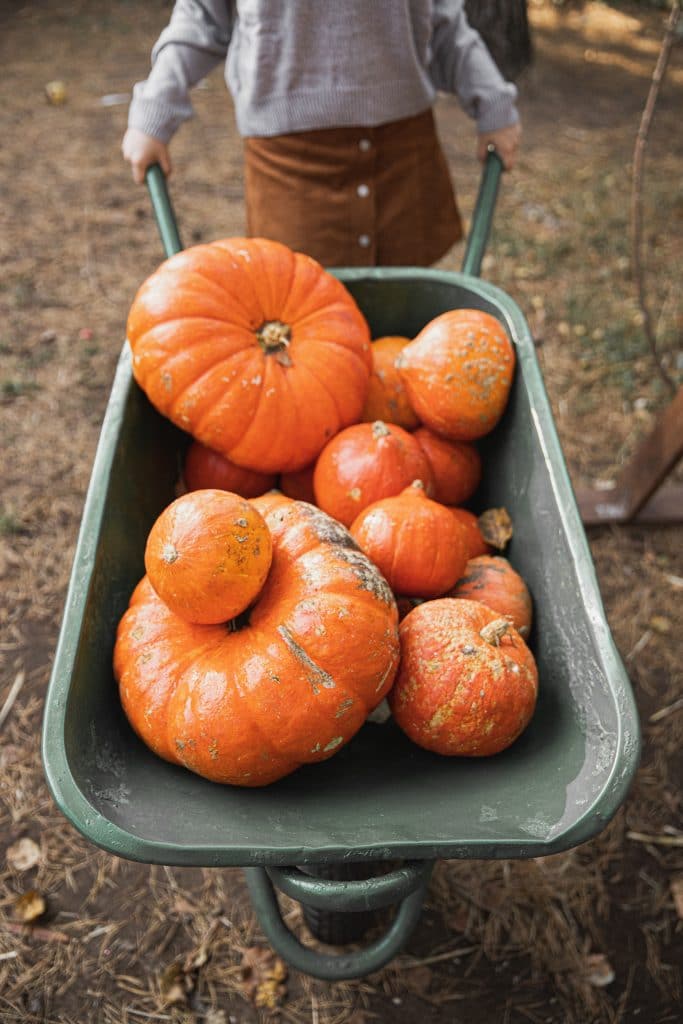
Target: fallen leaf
496	527
23	855
418	980
660	624
174	985
29	906
263	977
599	971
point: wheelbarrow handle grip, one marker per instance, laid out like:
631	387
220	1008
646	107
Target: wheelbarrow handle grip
155	179
339	966
482	217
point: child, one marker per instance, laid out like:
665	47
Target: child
333	99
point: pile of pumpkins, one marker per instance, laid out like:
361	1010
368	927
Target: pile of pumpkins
319	558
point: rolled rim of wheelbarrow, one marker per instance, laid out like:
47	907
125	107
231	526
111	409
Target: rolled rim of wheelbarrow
355	894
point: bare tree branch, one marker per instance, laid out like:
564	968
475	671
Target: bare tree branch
637	187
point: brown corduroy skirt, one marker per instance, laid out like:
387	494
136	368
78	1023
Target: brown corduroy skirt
354	196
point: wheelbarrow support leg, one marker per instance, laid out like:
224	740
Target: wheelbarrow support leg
360	894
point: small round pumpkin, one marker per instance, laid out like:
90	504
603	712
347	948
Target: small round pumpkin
387	399
467	683
475	541
364	463
416	543
255	350
299	484
456	466
458	373
492	580
208	555
290	683
206	469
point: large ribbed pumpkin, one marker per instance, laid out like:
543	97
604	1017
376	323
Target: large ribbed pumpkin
246	703
253	349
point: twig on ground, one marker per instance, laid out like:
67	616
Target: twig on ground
668	710
12	696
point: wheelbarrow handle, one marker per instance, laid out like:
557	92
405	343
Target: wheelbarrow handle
482	216
155	179
480	228
339	966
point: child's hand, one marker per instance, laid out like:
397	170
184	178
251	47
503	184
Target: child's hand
142	151
505	141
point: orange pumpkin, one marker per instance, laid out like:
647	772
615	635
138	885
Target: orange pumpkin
458	373
416	543
299	484
474	538
456	466
204	468
253	349
294	680
387	399
208	555
492	580
364	463
467	684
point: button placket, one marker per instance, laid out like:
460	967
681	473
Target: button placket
364	200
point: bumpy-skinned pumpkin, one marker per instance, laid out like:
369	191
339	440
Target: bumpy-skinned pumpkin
492	580
289	683
415	542
208	555
387	399
456	466
364	463
458	373
474	538
467	684
204	468
253	349
299	484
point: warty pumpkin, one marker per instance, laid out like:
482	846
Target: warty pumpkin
387	398
458	373
289	684
208	554
415	542
253	349
364	463
204	468
492	580
467	684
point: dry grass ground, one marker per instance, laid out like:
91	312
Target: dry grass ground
593	935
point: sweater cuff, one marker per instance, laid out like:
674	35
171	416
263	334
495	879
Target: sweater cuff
155	118
498	111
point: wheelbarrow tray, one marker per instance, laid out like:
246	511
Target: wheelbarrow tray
381	797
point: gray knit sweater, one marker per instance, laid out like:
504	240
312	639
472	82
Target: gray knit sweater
296	65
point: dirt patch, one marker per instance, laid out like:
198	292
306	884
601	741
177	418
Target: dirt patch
498	941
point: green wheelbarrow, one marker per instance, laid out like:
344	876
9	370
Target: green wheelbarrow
362	830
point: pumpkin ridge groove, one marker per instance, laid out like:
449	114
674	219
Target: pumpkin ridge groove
181	395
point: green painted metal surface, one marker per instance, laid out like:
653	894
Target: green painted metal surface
381	797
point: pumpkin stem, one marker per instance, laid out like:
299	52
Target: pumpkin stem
417	485
273	335
380	429
494	631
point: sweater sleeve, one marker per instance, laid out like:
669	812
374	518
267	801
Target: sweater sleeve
461	64
195	40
